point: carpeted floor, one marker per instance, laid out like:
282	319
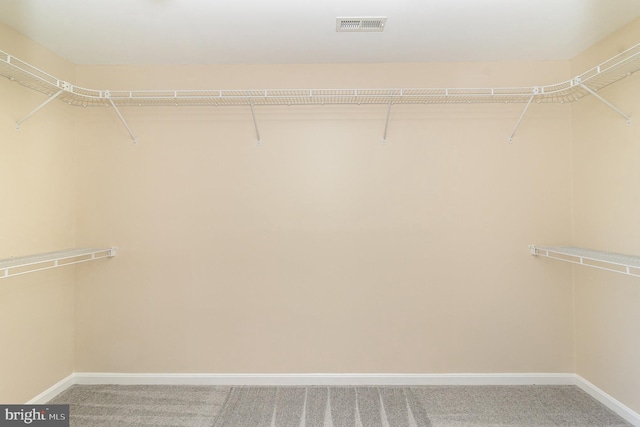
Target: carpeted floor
438	406
142	405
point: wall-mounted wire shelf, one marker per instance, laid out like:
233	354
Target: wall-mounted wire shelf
587	83
619	263
596	78
28	264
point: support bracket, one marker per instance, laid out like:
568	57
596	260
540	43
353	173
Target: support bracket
135	140
607	103
520	119
386	125
51	98
255	123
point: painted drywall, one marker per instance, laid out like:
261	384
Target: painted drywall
606	155
323	250
37	200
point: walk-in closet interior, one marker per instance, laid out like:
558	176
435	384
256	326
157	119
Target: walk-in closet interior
290	204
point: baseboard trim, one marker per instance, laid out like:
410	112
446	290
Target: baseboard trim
324	379
616	406
340	379
53	391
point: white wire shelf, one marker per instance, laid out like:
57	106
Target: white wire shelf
28	264
610	71
587	83
619	263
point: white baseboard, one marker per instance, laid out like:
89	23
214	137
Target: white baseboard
324	379
53	391
340	379
624	411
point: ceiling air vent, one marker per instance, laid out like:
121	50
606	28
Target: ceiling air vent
361	24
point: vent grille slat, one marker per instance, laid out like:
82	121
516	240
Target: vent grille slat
361	24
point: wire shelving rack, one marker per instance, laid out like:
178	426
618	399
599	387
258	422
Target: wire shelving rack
608	72
619	263
588	83
28	264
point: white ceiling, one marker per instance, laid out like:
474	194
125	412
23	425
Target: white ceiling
303	31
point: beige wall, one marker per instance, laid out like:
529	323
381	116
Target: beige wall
37	199
607	217
323	250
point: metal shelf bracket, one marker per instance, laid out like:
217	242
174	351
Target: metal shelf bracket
607	103
255	123
520	119
51	98
386	125
135	140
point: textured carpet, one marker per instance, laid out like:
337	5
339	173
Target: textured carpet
438	406
317	406
141	405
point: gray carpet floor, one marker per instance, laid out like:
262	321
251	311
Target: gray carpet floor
438	406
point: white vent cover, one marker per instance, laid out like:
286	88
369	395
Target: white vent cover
361	24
